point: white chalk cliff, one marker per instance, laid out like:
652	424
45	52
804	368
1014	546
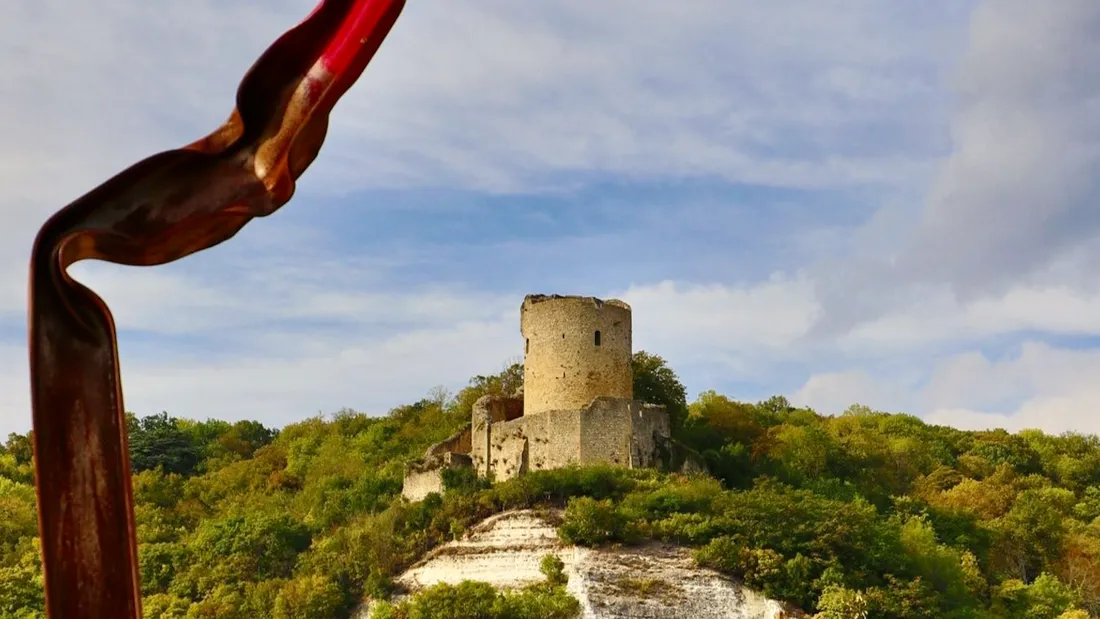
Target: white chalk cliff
653	581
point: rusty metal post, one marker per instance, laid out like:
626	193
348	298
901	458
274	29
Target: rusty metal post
161	209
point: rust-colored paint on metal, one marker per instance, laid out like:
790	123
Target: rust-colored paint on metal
163	208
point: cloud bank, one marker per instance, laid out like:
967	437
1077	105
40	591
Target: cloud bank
841	202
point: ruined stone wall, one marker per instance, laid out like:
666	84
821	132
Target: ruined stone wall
540	442
609	430
576	349
649	435
606	432
489	410
419	484
425	476
499	407
622	432
460	442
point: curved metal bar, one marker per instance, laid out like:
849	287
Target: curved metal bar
163	208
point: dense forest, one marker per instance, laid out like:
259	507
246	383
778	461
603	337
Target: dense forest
865	514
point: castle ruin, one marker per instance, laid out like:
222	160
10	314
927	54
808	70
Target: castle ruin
576	406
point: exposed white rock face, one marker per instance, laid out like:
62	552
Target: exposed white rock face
654	581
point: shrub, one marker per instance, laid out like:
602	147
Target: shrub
308	597
554	569
589	522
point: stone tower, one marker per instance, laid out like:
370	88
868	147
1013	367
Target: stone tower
576	349
577	404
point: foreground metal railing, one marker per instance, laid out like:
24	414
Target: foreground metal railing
161	209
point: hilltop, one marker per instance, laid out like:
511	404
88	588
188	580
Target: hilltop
861	514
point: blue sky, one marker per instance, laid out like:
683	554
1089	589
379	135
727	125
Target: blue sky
839	201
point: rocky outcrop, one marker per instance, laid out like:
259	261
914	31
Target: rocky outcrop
652	581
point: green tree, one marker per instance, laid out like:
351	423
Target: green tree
237	549
506	382
553	569
1088	508
165	606
20	447
1032	533
21	586
840	603
656	383
308	597
157	441
1045	598
589	522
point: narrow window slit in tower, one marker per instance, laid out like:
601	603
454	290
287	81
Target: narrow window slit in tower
597	338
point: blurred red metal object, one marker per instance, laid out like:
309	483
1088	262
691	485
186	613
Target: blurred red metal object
161	209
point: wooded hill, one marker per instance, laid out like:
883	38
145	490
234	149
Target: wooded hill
865	514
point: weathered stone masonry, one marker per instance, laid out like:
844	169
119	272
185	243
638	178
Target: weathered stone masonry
577	404
576	349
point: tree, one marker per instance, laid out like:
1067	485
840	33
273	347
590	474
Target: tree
840	603
308	597
19	446
1032	533
1045	598
1079	567
245	437
589	522
158	441
553	569
656	383
506	382
21	586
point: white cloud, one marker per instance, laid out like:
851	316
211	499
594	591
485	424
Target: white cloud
708	323
288	370
833	392
1013	205
934	317
1041	386
709	333
1021	184
15	389
250	293
495	95
714	88
444	338
371	376
710	88
1069	411
286	377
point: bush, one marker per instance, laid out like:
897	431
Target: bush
165	606
463	479
841	603
554	569
589	522
308	597
478	600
